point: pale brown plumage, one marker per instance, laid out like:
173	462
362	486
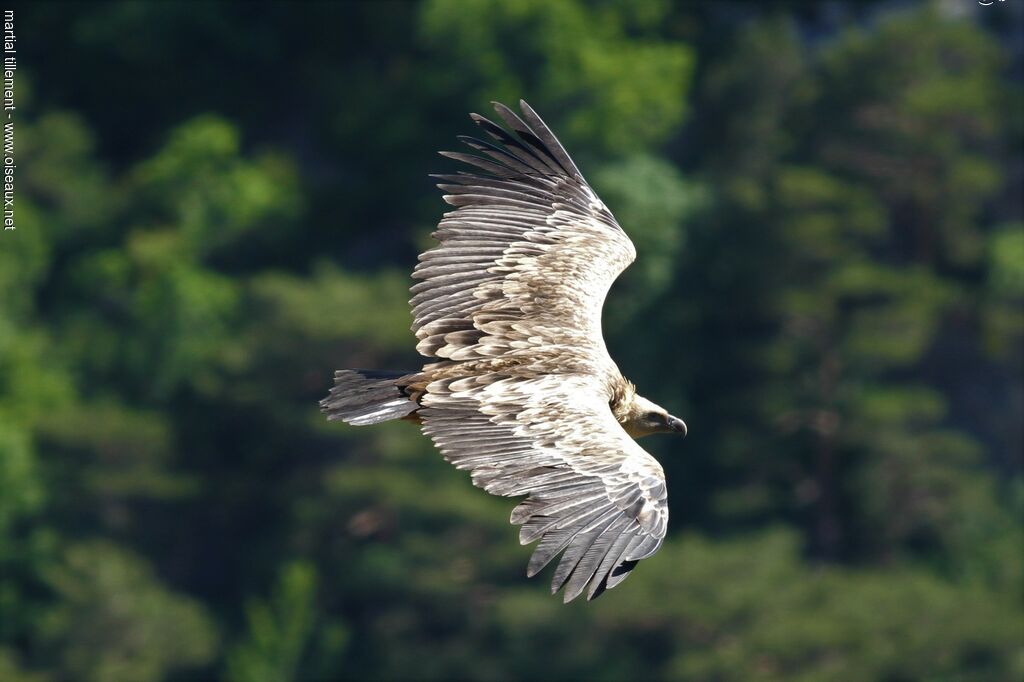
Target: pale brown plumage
523	393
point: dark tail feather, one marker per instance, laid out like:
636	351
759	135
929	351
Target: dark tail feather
366	396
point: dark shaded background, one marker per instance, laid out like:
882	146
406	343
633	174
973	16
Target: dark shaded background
218	204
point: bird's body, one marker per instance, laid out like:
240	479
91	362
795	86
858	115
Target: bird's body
522	391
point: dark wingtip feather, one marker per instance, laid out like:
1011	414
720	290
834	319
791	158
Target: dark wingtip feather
554	147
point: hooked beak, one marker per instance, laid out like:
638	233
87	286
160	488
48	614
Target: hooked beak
677	424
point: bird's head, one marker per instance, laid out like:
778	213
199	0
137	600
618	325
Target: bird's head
642	418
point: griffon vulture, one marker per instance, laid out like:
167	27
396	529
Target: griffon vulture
521	390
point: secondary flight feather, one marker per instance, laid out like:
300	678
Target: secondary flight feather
521	390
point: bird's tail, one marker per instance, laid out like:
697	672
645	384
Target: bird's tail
365	396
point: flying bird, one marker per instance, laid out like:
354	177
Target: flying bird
520	389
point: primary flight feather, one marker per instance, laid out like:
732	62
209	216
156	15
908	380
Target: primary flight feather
522	392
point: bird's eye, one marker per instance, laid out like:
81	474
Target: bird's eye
653	417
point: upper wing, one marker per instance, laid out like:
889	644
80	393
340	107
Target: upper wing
527	256
592	490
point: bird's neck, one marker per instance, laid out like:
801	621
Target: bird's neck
622	393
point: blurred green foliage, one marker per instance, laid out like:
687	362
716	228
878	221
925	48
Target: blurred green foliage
830	289
278	632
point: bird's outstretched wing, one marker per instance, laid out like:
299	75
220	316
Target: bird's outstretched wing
527	256
594	494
